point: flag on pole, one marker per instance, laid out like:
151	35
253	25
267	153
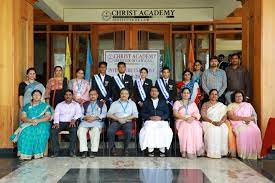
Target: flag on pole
191	56
89	62
167	57
68	61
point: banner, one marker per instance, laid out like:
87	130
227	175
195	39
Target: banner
135	60
138	14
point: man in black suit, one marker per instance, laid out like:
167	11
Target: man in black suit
168	90
121	80
169	86
156	132
101	82
142	88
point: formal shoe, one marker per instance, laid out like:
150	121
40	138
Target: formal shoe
92	154
161	154
151	154
126	152
72	154
84	154
54	155
113	152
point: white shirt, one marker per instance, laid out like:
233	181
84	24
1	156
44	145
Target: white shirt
102	77
166	81
155	102
142	81
66	112
122	76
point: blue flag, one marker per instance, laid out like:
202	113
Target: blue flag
89	62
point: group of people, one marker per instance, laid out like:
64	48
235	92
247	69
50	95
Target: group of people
194	109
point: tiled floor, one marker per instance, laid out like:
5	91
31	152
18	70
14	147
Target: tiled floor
135	169
8	165
265	167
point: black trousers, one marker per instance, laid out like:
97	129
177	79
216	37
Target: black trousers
114	127
54	138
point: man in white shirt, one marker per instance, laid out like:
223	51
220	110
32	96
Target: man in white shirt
65	116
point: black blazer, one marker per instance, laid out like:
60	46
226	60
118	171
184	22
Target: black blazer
146	86
148	109
128	83
107	85
171	89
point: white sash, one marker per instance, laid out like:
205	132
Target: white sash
163	89
100	85
119	82
141	90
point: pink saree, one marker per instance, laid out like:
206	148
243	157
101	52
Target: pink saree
190	134
248	137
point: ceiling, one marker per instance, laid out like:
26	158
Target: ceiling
55	8
134	3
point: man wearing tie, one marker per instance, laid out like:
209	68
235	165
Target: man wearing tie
168	90
101	82
121	80
167	86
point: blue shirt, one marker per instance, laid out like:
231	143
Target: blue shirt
123	109
214	80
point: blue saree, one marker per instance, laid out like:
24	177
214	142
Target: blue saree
32	140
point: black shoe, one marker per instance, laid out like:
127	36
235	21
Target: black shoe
151	154
54	155
113	152
161	154
72	154
92	154
84	154
126	152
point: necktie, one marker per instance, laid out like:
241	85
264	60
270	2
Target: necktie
166	82
122	78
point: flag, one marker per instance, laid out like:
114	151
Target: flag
68	61
191	56
167	57
89	62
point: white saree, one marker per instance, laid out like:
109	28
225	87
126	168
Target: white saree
216	137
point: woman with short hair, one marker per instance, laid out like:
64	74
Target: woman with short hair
33	134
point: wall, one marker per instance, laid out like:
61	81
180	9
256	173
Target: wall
16	54
258	51
267	61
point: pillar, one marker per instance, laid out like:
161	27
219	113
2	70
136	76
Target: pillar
16	54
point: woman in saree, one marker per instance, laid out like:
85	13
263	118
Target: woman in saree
188	126
197	72
28	86
33	134
80	87
55	88
215	130
192	85
244	121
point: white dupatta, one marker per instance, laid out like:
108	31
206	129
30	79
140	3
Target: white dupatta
216	112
